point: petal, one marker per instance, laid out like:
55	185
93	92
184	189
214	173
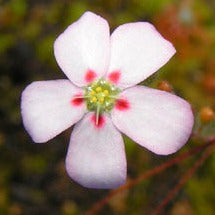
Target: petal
96	156
82	50
155	119
137	51
48	108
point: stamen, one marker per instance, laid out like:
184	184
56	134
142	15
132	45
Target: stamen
106	92
98	89
94	99
92	93
81	97
100	96
112	97
102	99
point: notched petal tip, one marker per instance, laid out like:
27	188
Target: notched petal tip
145	52
169	46
153	28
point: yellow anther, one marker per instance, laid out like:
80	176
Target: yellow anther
98	89
94	99
92	93
106	92
101	99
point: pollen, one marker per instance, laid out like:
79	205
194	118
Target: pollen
98	89
92	93
94	99
106	92
102	99
100	96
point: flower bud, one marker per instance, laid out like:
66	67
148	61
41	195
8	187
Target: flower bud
206	114
165	86
209	83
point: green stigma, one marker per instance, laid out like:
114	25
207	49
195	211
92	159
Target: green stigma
100	96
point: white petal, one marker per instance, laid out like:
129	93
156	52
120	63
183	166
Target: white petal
155	119
96	156
83	49
47	108
137	51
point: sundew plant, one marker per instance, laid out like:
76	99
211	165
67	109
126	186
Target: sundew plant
107	107
101	95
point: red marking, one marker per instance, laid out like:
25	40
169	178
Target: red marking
122	104
77	101
114	77
90	76
101	121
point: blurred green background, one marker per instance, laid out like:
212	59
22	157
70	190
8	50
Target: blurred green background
33	179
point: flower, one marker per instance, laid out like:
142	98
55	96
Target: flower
102	97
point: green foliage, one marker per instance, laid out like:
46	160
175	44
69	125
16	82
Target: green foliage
6	41
18	7
201	199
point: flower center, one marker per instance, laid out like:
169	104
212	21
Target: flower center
100	96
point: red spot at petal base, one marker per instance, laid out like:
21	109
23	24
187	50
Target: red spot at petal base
77	101
90	76
114	77
101	121
122	104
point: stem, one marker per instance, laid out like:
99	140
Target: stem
156	170
183	180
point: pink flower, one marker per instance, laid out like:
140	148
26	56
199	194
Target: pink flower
102	97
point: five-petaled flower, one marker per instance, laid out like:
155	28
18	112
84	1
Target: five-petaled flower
102	97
